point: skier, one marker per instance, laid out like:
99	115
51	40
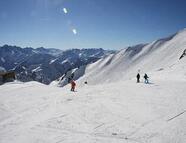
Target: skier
146	78
73	85
138	78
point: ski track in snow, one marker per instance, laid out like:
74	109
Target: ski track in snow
36	113
111	108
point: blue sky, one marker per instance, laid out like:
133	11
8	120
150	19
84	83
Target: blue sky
108	24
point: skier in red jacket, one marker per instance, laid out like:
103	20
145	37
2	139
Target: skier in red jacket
73	85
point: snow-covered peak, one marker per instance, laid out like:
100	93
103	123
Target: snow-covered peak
159	54
182	31
53	63
2	70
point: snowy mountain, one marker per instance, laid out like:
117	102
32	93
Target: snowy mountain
183	55
45	65
111	108
2	70
125	64
74	74
158	55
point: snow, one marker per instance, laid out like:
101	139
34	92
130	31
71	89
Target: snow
117	112
63	80
37	69
111	108
65	61
24	67
12	52
52	61
3	60
34	51
2	69
160	54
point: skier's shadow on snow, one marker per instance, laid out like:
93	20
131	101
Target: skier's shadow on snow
69	99
147	83
151	83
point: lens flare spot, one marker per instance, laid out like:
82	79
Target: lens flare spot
74	31
65	10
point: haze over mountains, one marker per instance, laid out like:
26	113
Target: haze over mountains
45	65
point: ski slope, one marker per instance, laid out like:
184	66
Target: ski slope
111	108
155	56
158	55
121	112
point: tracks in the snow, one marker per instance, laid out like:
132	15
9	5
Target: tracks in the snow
93	134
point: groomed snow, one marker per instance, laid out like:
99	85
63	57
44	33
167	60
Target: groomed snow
160	54
111	108
122	112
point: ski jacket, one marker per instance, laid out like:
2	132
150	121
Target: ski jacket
145	76
73	83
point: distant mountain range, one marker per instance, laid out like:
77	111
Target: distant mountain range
45	65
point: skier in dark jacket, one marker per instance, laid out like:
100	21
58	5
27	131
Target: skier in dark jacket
138	78
146	78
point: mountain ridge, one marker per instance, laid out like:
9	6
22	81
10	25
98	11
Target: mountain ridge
45	65
125	64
